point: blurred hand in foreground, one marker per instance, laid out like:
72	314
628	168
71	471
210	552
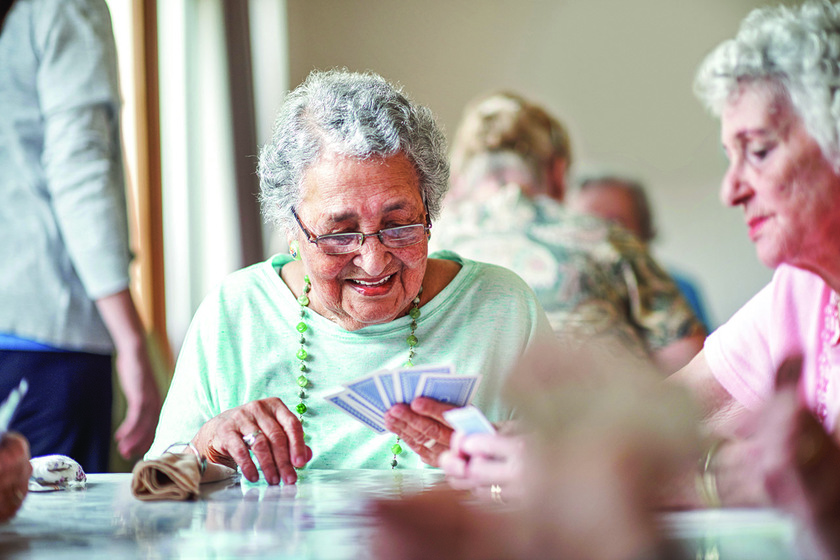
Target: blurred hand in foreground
784	458
602	432
15	471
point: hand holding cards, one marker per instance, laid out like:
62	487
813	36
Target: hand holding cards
368	398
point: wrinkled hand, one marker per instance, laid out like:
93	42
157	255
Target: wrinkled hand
799	463
278	448
137	431
15	471
782	456
422	427
477	462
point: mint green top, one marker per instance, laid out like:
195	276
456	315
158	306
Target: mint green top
242	342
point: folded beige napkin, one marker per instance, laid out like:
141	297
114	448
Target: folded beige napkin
174	476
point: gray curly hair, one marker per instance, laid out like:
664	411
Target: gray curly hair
795	50
352	114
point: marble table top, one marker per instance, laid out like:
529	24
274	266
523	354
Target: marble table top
323	516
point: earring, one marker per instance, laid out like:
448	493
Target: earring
294	249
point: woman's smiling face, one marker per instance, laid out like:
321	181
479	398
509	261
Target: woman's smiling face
345	195
777	172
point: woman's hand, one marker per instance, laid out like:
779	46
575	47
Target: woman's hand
800	462
136	433
135	373
422	427
480	462
277	440
15	471
784	458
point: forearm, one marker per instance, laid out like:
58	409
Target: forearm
677	354
123	322
135	371
720	411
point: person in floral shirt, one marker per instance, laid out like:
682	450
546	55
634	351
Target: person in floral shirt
509	166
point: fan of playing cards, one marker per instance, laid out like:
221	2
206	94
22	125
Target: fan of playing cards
368	398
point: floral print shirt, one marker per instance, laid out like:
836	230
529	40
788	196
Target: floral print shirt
592	278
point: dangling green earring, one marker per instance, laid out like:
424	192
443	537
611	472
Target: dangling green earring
294	249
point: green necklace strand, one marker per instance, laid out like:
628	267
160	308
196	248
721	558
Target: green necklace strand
302	355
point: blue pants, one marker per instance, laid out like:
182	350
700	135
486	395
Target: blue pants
67	408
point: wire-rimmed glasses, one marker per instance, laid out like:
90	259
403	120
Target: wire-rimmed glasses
344	243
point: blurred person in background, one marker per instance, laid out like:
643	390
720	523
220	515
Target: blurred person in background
623	201
510	161
64	289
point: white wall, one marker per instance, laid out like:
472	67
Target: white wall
618	72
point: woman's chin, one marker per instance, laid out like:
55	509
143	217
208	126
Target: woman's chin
769	256
355	319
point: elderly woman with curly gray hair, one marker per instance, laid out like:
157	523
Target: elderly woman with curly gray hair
354	174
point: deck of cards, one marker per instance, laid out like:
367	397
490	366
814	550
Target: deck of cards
368	398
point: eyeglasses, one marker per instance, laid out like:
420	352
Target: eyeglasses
343	243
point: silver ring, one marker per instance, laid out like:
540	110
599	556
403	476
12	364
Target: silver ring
19	495
251	439
429	444
496	494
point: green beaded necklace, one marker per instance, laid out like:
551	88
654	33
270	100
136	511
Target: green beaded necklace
302	354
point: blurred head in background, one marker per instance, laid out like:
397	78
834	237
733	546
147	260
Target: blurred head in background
504	122
618	200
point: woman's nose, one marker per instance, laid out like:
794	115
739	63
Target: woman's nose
734	188
372	255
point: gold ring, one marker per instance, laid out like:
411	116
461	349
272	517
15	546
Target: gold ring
496	494
19	496
251	439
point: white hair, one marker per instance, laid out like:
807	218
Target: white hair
793	50
353	114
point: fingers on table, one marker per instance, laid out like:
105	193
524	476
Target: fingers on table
297	450
281	448
261	427
284	447
232	441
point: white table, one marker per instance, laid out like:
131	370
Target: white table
748	534
323	516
